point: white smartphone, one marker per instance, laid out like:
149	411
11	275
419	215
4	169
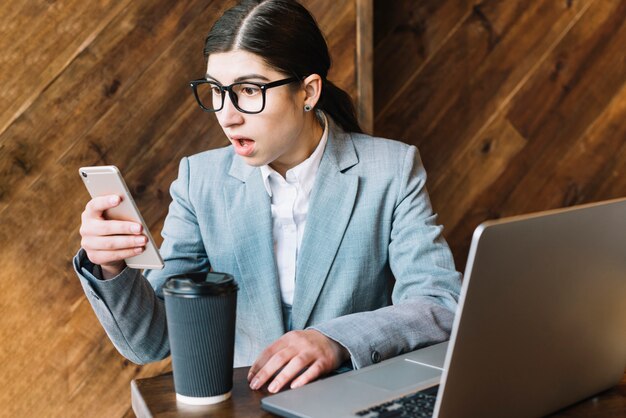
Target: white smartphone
107	180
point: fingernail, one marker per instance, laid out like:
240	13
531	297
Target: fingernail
139	250
295	385
114	199
255	384
135	228
273	387
140	241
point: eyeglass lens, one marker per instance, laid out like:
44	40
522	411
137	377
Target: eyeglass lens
248	97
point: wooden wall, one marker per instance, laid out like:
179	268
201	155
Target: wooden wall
516	106
90	83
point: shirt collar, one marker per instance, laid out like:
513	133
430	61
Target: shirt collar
304	173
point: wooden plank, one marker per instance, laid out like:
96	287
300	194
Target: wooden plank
36	51
408	35
590	75
365	64
488	57
87	90
507	92
477	169
613	184
440	84
446	186
592	169
593	48
129	413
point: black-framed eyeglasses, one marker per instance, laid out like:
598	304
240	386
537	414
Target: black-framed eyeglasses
246	96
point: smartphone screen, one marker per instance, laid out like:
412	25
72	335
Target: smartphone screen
107	180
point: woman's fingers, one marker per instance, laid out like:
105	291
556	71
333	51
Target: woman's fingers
109	242
96	206
288	356
294	368
314	371
96	227
113	243
105	258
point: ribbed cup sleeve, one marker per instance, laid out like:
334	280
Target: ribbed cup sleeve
202	338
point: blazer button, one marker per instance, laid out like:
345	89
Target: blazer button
94	295
375	356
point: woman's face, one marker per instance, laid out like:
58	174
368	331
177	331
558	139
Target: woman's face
279	135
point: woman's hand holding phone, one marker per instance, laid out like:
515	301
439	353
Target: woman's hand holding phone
109	242
113	230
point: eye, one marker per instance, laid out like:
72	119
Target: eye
216	91
250	90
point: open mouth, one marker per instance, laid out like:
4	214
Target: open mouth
243	146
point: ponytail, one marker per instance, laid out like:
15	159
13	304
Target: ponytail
339	106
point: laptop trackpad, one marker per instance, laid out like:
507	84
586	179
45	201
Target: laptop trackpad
397	375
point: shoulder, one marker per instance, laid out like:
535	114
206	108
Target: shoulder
382	151
213	161
222	155
203	172
364	143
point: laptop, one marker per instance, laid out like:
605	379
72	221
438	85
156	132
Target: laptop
541	324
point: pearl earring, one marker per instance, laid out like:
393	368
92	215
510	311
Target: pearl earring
307	108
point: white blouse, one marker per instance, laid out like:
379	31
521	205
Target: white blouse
290	204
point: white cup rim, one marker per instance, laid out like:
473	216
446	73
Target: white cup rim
209	400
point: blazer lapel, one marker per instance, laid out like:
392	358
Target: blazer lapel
330	209
250	220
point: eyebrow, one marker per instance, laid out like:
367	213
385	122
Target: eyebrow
241	78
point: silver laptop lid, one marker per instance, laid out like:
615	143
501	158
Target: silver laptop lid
542	315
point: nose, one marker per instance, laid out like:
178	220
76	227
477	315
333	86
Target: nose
229	115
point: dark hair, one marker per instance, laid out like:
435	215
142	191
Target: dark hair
285	35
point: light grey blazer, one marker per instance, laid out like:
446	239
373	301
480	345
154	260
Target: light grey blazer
369	221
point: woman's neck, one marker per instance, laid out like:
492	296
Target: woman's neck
311	136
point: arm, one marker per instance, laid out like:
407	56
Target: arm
424	300
427	285
130	306
128	310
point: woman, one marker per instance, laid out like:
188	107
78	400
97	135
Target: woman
312	217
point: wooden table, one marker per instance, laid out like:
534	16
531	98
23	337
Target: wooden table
155	397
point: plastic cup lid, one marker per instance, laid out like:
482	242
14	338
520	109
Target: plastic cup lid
200	284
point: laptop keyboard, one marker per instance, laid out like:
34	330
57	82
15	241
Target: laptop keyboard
420	404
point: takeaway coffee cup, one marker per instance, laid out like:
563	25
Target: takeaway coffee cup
200	312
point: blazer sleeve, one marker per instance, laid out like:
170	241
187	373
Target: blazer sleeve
130	306
427	284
